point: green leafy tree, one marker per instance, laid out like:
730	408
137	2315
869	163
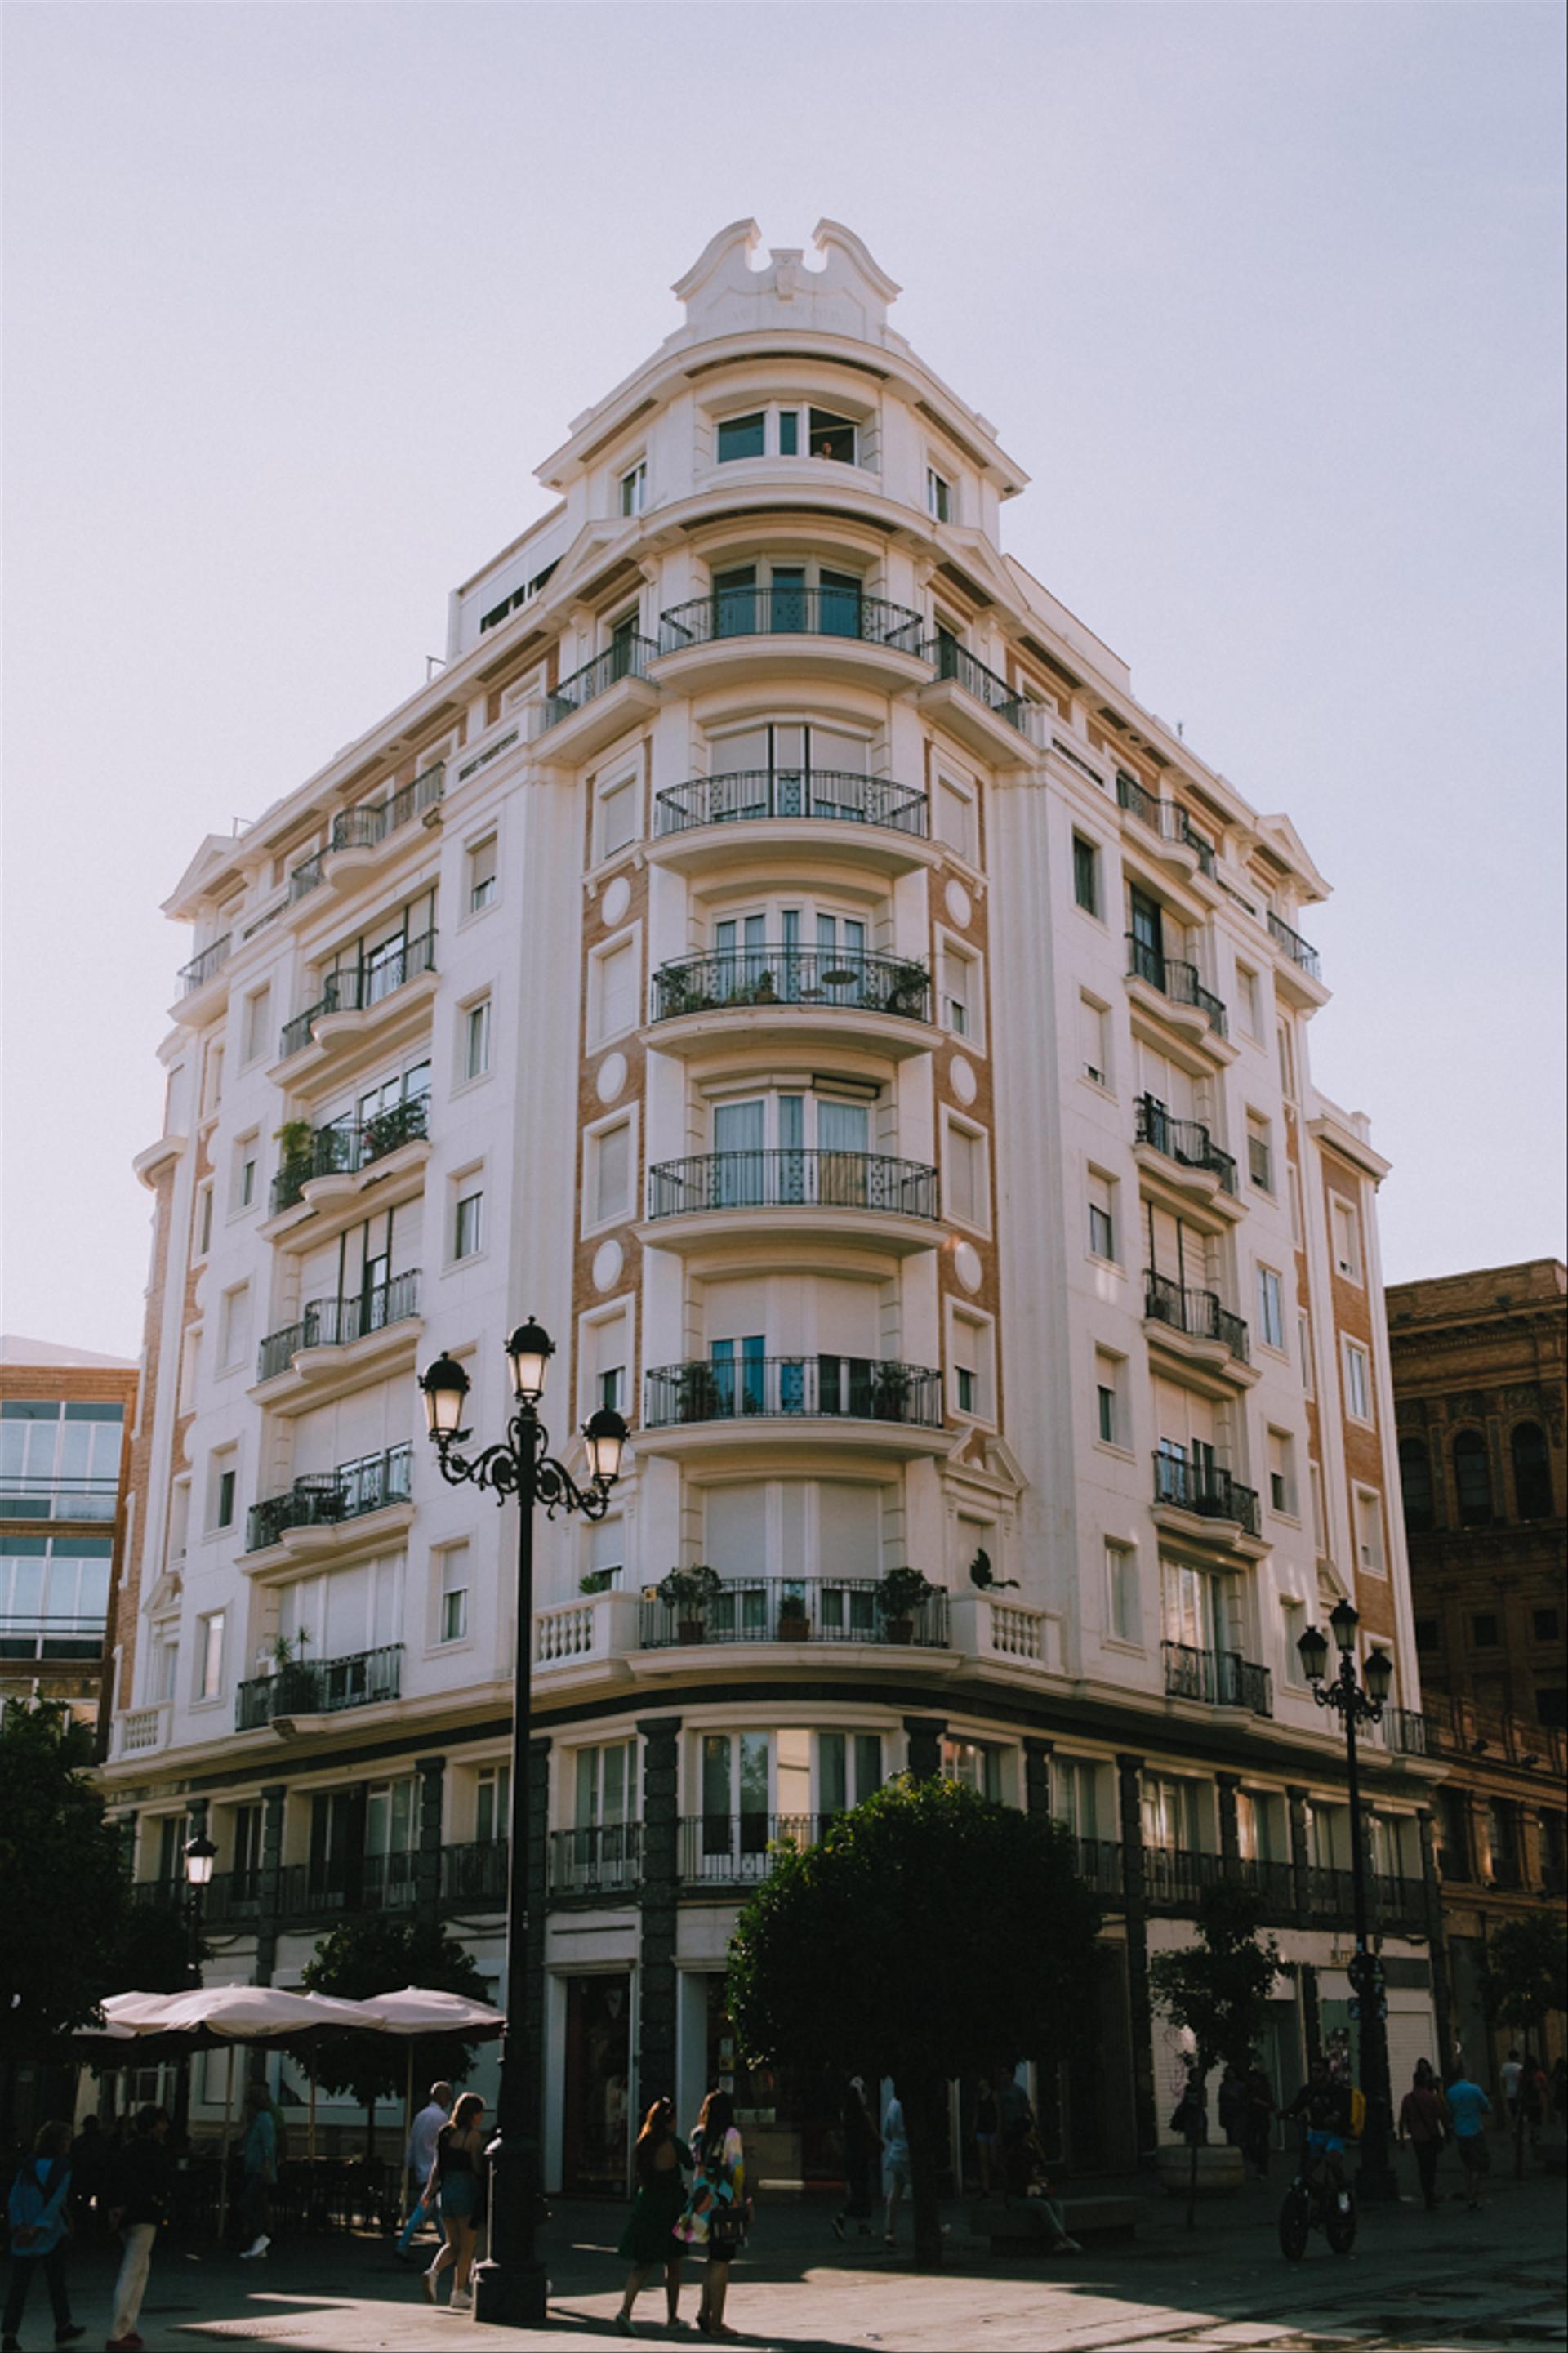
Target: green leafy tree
1524	1978
379	1952
1219	1990
931	1935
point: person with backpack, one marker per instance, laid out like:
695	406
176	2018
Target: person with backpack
39	2212
140	2185
1423	2122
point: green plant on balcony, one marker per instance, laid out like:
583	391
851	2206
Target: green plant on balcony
596	1580
295	1686
907	987
691	1593
891	1386
697	1396
900	1597
794	1618
295	1141
679	994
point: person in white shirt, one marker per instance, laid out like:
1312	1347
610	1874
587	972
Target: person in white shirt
420	2156
894	2163
1512	2069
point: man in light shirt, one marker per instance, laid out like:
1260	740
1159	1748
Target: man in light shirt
423	2135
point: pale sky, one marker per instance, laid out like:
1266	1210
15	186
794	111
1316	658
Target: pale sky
1268	299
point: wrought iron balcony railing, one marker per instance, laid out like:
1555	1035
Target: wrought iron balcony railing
337	1323
324	1498
320	1686
364	828
735	1849
823	792
793	611
357	987
628	658
1183	1140
852	977
1221	1678
201	969
954	661
1174	1877
1205	1489
600	1858
793	1609
1299	951
1169	819
1196	1312
792	1179
344	1149
475	1875
859	1388
1175	980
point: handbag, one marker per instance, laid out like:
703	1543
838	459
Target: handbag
728	2225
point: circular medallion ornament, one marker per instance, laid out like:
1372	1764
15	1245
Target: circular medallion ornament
612	1077
967	1266
609	1261
616	900
965	1085
959	906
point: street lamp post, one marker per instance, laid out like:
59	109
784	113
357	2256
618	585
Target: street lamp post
511	2287
199	1856
1359	1699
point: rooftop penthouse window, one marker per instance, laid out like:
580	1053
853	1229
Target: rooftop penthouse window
788	432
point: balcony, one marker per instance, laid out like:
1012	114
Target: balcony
1169	821
600	1859
474	1876
193	977
140	1730
793	1609
1099	1863
813	992
360	989
1205	1491
307	876
358	833
24	1635
333	1888
321	1687
845	1192
591	706
344	1150
981	709
1188	1143
859	1388
1184	1002
838	815
739	1850
824	627
1175	1877
231	1896
1217	1678
1197	1315
340	1323
1393	1904
326	1500
1300	977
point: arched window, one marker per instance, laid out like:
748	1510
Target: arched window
1415	1485
1531	1472
1473	1479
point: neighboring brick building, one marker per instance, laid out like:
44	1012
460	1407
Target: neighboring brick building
63	1418
1479	1364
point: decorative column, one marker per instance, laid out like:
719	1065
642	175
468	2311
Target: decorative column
274	1798
660	1895
1037	1756
429	1801
1432	1883
925	1738
1226	1784
1130	1772
1301	1858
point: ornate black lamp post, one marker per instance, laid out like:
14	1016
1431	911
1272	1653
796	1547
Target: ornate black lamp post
1360	1700
198	1857
511	2287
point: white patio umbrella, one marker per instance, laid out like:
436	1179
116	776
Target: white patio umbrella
420	2010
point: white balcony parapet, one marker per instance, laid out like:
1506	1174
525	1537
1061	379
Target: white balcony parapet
143	1728
599	1627
986	1626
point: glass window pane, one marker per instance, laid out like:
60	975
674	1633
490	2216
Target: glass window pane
741	436
832	1772
716	1773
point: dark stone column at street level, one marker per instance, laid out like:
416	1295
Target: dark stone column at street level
430	1798
1037	1755
658	1895
1130	1790
1311	2021
1226	1784
925	1738
1432	1887
274	1798
1301	1854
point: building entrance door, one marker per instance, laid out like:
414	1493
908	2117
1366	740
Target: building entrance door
594	2141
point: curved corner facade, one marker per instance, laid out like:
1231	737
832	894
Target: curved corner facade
779	952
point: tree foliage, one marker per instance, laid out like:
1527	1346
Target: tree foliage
380	1952
69	1922
931	1934
1524	1971
1219	1989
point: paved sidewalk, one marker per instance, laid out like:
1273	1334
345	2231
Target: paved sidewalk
1419	2282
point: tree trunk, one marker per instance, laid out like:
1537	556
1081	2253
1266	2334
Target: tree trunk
925	2115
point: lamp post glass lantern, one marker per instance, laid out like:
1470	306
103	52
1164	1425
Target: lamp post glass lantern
510	2287
1360	1699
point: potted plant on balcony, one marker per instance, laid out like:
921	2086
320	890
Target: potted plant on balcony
690	1593
795	1620
697	1396
908	986
890	1388
899	1596
295	1141
294	1685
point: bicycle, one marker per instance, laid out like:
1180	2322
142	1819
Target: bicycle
1312	2203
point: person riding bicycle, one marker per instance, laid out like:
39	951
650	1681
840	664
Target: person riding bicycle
1324	2099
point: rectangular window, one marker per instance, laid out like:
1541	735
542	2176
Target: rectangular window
209	1655
607	1552
634	488
1282	1471
1369	1531
1293	1620
955	816
1246	995
957	985
1484	1630
978	1767
830	437
233	1325
1358	1383
1270	1308
611	1388
257	1023
615	975
247	1184
938	496
1086	874
1345	1238
1259	1153
477	1039
973	1380
742	436
611	1192
1126	1613
618	816
1544	1623
452	1614
1101	1215
482	875
965	1186
245	1151
1287	1062
468	1225
492	1804
223	1516
205	1222
965	1379
1427	1636
1094	1028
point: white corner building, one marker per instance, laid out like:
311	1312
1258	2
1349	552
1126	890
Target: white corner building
778	951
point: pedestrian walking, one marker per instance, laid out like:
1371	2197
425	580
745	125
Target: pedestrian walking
39	2212
895	2164
420	2158
1260	2113
987	2135
661	2161
1233	2106
458	2180
1468	2108
259	2172
862	2146
717	2211
1017	2119
138	2193
1512	2070
1423	2122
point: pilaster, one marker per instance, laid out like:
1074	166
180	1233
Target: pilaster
659	1896
430	1798
274	1798
1037	1756
1129	1771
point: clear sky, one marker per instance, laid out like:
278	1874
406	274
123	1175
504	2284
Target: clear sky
1269	300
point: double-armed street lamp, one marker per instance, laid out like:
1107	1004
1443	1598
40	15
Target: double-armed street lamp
1360	1699
510	2287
